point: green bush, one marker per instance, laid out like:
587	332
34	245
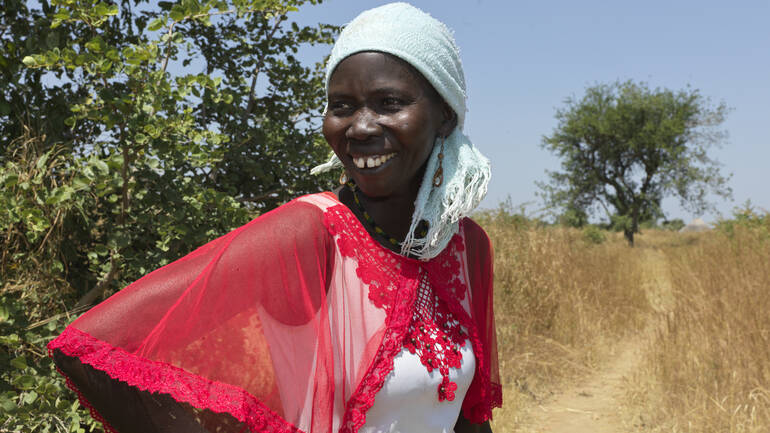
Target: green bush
594	235
673	225
748	218
117	156
33	398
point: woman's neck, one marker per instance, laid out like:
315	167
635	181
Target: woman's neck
393	214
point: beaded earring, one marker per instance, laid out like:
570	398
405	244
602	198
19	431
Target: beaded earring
438	176
343	177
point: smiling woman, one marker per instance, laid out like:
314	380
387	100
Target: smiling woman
367	309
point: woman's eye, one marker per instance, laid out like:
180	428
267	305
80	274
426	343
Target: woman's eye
392	102
339	107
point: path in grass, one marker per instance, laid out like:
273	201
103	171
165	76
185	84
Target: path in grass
595	404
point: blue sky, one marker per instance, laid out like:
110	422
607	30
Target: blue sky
523	58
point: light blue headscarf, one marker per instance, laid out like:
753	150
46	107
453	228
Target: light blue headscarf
427	44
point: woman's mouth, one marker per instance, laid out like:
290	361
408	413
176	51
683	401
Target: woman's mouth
372	161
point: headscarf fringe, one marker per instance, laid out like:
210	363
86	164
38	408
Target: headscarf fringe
329	165
466	178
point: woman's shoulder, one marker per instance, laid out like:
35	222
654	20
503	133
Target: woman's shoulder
306	208
301	217
320	200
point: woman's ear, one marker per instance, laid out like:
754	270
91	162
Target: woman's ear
450	120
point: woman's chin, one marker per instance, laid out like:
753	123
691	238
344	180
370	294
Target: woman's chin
373	182
375	190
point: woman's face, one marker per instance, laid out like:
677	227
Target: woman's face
382	121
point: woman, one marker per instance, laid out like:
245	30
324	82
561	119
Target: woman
368	309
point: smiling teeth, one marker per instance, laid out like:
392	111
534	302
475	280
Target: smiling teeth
372	161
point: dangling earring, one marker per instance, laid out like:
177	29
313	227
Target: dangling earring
343	177
438	176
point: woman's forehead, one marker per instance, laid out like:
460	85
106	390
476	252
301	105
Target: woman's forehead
376	68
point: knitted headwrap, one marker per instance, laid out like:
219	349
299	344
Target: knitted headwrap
427	44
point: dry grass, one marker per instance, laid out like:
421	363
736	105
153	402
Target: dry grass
559	301
708	368
705	298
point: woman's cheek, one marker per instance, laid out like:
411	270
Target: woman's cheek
326	128
331	130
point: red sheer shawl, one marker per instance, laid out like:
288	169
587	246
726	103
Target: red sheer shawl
289	323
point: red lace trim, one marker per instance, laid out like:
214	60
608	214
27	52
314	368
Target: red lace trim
153	376
393	282
363	398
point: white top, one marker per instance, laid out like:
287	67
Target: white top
408	401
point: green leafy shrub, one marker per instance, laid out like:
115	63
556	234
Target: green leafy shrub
594	235
673	225
746	218
132	133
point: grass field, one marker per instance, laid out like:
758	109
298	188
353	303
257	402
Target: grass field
702	301
708	369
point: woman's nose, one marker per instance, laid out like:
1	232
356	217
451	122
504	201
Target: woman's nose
363	125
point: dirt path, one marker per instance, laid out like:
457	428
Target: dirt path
595	405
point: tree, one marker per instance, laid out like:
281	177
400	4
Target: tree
132	132
624	147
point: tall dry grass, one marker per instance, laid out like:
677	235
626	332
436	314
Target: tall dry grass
708	369
558	301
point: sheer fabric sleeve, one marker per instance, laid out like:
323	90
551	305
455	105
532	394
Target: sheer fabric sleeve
485	392
232	337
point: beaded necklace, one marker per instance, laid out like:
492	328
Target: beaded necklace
423	231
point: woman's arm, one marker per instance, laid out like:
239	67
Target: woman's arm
465	426
128	410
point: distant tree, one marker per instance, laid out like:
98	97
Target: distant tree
624	147
572	217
